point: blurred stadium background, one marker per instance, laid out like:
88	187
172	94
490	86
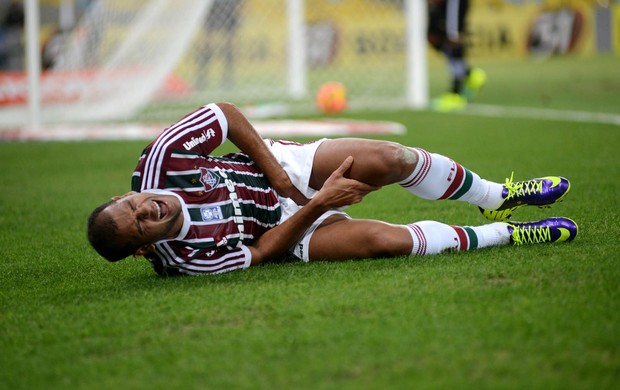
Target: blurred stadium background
151	61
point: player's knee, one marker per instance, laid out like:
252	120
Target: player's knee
404	160
382	242
396	158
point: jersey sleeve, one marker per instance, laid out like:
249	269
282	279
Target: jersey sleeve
168	261
200	133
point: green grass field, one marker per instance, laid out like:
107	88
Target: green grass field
533	317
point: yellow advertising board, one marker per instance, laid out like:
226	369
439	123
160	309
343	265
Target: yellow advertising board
616	27
520	30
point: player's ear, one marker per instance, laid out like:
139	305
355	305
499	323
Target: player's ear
117	197
145	250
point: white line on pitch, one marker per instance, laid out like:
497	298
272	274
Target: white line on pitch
543	113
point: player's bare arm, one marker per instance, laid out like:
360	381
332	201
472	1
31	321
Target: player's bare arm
246	138
337	191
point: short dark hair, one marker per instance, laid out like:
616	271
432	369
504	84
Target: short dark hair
104	238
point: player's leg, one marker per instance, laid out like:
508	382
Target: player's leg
436	31
432	176
446	31
438	177
340	238
454	47
375	162
469	83
428	175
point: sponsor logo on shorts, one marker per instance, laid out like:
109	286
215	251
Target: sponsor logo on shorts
301	249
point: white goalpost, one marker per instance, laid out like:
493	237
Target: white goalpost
152	60
417	64
33	64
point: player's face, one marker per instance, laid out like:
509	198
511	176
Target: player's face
147	218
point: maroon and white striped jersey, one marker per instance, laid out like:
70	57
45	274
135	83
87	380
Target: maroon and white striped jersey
227	201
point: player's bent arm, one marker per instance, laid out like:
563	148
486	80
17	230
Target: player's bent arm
278	240
246	138
337	191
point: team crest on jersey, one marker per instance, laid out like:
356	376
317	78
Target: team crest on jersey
209	179
211	213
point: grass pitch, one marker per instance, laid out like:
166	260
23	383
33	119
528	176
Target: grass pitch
544	316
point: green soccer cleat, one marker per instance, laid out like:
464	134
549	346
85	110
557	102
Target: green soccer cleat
541	192
546	230
474	81
449	102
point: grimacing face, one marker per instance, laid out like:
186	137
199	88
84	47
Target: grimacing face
145	218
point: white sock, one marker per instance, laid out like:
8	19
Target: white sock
437	177
431	237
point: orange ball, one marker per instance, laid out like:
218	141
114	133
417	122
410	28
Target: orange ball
331	98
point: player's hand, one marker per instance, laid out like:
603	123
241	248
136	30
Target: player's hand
339	190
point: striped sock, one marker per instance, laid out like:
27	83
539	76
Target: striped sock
430	237
437	177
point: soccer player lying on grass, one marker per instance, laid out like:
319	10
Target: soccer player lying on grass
194	213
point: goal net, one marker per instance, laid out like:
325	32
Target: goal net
120	54
154	60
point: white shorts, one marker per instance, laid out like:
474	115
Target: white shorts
297	159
